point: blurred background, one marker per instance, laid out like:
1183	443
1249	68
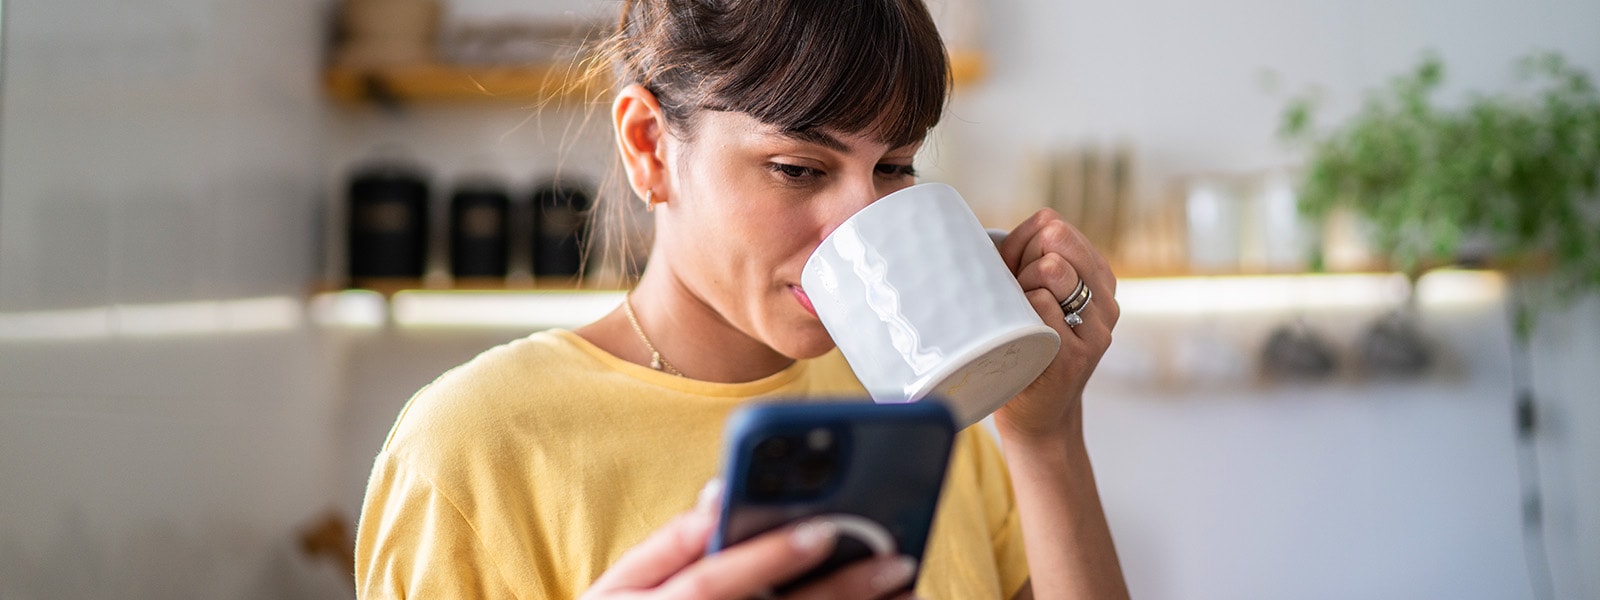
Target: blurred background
236	236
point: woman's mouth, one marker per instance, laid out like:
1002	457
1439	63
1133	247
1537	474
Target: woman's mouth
805	301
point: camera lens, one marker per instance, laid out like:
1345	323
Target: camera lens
815	471
773	448
819	439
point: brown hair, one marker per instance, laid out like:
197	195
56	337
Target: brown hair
802	66
799	65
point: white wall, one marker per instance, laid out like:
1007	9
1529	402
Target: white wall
1563	355
1222	485
159	437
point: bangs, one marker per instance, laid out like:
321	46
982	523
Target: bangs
875	67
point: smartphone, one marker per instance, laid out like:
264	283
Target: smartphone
878	466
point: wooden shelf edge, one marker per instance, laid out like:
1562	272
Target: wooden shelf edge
531	84
437	82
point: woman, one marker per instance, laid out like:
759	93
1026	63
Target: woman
562	464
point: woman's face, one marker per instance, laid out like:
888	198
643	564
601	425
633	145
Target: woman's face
748	205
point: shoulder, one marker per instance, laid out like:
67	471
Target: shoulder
485	395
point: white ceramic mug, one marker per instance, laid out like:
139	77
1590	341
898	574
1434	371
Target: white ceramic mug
917	298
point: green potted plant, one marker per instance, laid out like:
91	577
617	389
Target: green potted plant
1512	177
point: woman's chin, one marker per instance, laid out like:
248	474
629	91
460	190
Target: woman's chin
809	342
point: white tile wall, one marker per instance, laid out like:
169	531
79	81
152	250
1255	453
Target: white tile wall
164	468
159	152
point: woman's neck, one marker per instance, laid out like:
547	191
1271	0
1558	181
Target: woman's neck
688	333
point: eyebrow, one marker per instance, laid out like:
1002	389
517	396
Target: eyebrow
812	136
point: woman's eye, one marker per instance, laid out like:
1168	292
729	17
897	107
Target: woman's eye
897	170
796	172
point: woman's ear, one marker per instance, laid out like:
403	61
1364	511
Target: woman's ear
641	138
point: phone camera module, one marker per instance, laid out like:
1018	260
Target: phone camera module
796	466
773	449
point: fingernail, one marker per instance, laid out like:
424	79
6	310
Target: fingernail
814	535
894	575
710	495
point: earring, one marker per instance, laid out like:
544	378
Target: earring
649	200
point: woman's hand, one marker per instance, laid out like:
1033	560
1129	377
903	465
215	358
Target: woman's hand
670	565
1049	256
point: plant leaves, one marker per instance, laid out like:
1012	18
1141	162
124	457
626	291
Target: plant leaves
1520	169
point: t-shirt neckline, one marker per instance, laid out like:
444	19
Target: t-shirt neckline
651	376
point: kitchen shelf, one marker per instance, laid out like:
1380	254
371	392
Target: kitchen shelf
532	84
444	83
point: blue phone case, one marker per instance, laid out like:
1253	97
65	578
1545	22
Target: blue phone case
786	461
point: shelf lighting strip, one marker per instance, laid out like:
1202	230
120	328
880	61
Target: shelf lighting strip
539	309
1279	293
359	309
155	320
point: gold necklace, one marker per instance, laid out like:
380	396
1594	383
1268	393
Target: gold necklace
656	362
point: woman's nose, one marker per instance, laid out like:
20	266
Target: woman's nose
849	202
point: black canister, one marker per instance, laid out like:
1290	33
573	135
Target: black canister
560	213
388	222
480	235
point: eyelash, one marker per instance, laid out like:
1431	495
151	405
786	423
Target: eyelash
795	172
897	170
798	173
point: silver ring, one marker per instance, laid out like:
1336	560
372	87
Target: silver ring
1076	302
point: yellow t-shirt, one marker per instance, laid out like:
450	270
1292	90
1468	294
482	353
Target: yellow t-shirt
526	471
